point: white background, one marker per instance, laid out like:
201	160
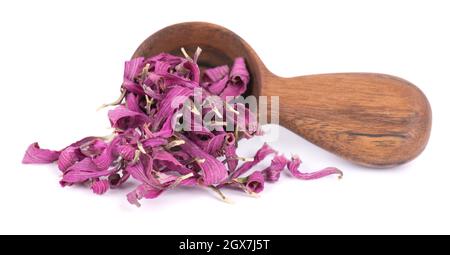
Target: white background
60	60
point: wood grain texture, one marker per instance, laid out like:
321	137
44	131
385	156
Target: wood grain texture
371	119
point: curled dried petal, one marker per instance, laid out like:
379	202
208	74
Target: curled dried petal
217	87
126	151
255	182
68	157
272	173
82	171
123	118
294	164
212	170
92	147
106	158
232	157
143	191
239	78
132	102
216	73
262	153
100	187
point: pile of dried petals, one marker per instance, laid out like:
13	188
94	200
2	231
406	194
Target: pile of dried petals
146	146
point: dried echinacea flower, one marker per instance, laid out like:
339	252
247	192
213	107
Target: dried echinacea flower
148	147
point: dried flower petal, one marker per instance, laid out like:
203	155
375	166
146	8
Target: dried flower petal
35	154
272	173
154	142
91	148
126	151
239	78
132	102
218	86
255	182
174	98
142	171
294	164
105	159
216	73
262	153
143	191
68	157
231	156
132	69
147	147
82	171
100	187
123	118
216	144
212	170
164	159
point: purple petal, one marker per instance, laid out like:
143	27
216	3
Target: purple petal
68	157
215	145
115	180
166	130
165	159
35	154
133	198
181	156
272	173
152	86
189	182
239	78
100	187
92	148
174	98
216	73
162	67
263	152
189	70
82	171
143	191
255	182
131	136
133	87
133	68
83	141
195	71
217	87
231	156
132	102
201	139
105	159
126	151
294	164
154	142
239	73
142	171
175	81
123	118
212	170
166	57
231	90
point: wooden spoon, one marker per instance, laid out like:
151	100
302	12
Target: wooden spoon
372	119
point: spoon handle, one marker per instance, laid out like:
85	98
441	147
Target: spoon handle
372	119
